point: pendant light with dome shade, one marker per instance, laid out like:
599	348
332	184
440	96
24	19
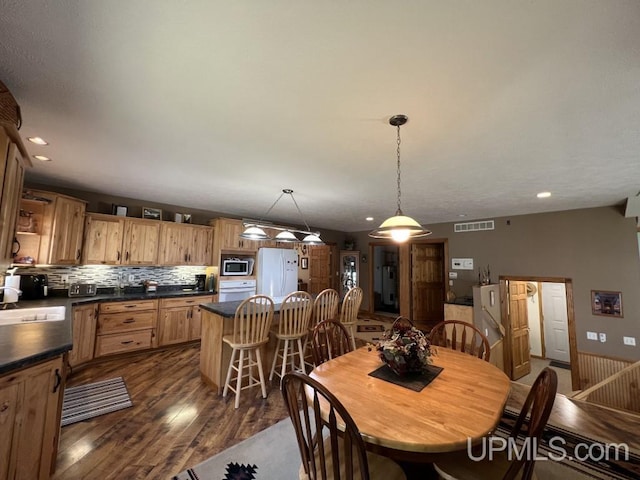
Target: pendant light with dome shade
254	230
399	228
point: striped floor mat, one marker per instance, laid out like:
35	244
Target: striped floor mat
94	399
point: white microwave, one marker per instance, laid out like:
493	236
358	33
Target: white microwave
236	266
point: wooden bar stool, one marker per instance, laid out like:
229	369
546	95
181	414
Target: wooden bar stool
349	312
251	325
295	315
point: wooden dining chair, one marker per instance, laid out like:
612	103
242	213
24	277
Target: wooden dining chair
349	311
325	307
528	428
293	325
463	336
341	454
330	339
251	324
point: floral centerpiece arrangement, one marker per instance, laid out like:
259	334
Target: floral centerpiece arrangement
404	348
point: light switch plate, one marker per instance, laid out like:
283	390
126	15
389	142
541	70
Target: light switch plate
629	341
462	263
592	336
603	337
453	275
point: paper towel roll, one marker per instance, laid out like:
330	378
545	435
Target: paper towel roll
11	281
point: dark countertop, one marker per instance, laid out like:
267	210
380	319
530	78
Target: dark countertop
26	344
228	309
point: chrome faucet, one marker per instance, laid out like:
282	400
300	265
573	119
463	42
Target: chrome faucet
5	305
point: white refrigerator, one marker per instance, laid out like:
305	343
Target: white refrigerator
277	272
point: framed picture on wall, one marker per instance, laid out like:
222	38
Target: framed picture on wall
152	213
608	304
304	263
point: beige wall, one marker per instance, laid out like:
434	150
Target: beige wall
596	248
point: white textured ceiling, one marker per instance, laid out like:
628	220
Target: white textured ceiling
220	104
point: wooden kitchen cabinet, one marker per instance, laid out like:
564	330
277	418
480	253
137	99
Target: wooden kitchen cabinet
126	326
182	244
13	161
62	228
84	334
103	238
30	412
227	235
140	246
180	319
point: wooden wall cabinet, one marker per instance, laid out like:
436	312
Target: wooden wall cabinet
31	401
126	326
182	244
84	334
227	236
103	238
13	161
180	319
59	228
141	237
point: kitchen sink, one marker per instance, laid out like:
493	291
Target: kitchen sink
31	315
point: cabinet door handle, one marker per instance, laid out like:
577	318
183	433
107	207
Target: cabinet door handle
186	257
126	256
127	342
129	320
58	381
118	256
78	255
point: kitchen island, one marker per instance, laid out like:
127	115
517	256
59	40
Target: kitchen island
217	321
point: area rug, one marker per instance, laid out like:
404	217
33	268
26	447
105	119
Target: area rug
559	364
268	455
273	454
94	399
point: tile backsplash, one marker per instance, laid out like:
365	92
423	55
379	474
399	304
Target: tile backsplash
107	276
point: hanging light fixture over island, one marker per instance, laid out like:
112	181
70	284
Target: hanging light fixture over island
255	230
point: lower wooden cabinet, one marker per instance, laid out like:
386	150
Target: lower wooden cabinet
126	326
179	319
84	334
30	409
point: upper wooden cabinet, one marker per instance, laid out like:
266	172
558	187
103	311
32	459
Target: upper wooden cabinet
13	160
227	235
103	235
183	244
141	238
58	225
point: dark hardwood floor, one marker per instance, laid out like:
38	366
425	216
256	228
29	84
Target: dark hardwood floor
176	421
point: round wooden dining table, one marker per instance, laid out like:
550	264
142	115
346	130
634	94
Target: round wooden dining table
465	401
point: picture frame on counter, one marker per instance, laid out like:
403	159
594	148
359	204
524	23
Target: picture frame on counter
186	218
151	213
119	210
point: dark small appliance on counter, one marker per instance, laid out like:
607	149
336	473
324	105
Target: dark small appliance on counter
34	287
200	282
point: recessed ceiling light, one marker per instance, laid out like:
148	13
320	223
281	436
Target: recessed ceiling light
369	219
42	158
544	195
38	140
462	215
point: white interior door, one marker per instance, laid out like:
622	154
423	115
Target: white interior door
554	312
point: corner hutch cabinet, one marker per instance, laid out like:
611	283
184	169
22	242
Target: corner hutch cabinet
13	160
58	228
30	411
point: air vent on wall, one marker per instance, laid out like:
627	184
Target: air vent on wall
474	226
